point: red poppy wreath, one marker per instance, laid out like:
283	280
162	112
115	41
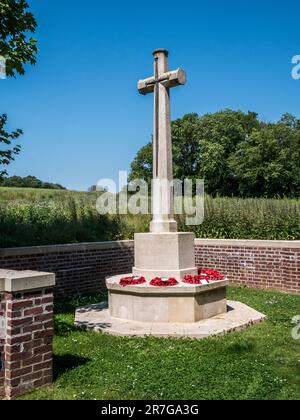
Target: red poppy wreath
159	282
132	281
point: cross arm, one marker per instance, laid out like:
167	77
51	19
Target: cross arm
168	80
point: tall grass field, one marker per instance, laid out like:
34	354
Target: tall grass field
31	217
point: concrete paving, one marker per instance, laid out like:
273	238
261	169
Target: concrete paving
238	317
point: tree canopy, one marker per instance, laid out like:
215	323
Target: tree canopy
29	182
18	49
16	44
7	139
234	152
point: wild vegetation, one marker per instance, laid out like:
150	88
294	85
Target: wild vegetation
31	217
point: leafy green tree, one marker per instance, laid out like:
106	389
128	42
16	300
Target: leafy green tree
29	182
186	147
185	152
16	44
7	139
289	120
142	165
18	49
235	153
267	164
201	149
218	136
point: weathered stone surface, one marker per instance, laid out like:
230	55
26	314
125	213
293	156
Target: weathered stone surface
168	80
20	281
167	255
161	83
237	317
179	304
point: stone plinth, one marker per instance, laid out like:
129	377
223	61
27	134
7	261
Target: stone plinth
238	317
165	255
179	304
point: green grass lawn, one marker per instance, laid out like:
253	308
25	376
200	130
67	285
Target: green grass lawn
262	362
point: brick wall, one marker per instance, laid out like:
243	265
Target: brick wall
28	347
79	268
2	343
27	329
259	264
82	268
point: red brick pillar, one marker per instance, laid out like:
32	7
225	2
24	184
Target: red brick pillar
2	343
27	352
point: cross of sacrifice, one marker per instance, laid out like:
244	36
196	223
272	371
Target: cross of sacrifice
162	195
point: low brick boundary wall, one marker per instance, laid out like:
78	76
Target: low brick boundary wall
79	268
257	264
82	268
26	340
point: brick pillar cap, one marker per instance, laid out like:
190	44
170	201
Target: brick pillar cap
22	281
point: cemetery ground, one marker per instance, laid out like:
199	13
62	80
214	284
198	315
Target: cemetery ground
261	362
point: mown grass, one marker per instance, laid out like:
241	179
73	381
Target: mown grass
260	363
45	217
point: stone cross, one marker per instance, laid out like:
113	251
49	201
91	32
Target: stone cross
163	196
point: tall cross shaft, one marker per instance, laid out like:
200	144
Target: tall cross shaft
163	197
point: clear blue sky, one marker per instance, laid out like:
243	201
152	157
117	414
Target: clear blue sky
79	107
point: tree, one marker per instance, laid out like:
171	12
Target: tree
18	49
234	152
185	152
29	182
186	147
201	149
267	163
289	120
142	165
7	155
218	136
16	46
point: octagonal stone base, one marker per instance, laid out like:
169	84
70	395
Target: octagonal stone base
237	317
179	304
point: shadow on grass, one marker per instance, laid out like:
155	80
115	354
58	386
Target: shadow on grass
62	328
67	306
66	363
244	346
